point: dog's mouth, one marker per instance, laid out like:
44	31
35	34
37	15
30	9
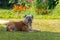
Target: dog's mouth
30	22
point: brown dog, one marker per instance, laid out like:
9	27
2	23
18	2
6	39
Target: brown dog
25	25
17	26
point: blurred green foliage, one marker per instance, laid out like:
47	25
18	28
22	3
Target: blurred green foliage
41	3
4	13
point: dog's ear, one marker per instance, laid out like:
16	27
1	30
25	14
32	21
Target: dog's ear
32	16
25	16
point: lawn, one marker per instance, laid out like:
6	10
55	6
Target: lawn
28	35
49	29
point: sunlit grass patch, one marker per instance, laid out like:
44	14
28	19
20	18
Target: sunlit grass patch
47	25
42	24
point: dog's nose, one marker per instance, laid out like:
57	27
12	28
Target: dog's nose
29	19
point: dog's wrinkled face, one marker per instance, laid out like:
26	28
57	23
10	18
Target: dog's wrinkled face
28	18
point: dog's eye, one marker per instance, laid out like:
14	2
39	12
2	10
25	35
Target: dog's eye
26	17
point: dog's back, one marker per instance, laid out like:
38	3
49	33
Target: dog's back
19	26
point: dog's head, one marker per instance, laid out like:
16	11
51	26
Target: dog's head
28	18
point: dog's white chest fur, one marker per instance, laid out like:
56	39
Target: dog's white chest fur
30	26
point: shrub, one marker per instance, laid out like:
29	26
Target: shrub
53	3
42	6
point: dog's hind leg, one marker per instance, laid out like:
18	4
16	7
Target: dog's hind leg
10	27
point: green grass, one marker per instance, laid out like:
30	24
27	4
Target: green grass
48	31
4	35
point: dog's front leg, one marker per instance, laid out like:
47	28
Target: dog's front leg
30	27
